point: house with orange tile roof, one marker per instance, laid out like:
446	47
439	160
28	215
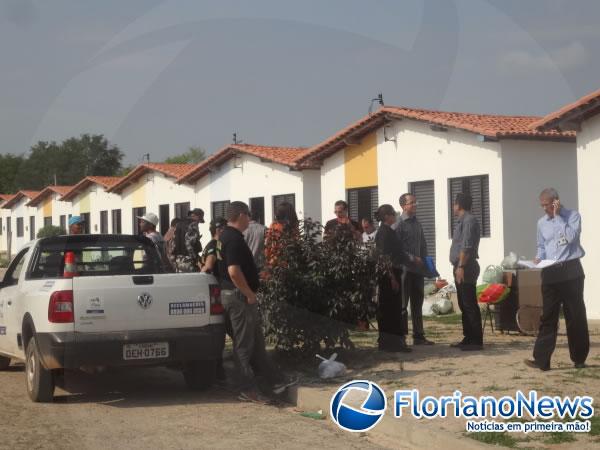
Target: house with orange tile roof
20	221
583	116
153	187
50	210
500	160
89	198
4	223
261	176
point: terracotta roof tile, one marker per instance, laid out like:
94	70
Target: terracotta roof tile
18	196
105	182
286	156
488	125
170	170
586	106
61	190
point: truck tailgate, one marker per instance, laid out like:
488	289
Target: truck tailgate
141	302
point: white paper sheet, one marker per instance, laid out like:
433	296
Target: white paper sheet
543	263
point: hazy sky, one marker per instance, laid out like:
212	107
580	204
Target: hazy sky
159	76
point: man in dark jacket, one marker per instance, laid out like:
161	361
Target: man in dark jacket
410	232
392	319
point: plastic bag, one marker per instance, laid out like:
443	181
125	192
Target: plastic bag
494	293
330	368
442	306
510	261
429	289
493	274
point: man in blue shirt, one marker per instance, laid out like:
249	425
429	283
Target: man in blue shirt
558	233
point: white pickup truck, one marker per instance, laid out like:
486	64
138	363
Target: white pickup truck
89	301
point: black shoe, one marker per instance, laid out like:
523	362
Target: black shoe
580	365
471	347
534	365
459	344
422	341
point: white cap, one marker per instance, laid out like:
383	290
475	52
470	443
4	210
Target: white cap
150	218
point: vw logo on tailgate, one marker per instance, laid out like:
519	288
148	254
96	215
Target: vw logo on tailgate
145	300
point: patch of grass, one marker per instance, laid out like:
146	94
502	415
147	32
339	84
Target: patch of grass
446	319
517	377
584	373
595	426
493	388
503	439
559	438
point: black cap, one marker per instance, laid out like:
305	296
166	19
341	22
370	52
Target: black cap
197	212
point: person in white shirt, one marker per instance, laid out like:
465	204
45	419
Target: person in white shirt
369	230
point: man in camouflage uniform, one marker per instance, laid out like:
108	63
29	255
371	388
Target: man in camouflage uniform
193	236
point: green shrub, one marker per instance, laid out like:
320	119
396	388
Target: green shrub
3	262
318	290
50	231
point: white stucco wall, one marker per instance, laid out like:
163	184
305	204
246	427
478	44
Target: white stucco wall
246	177
588	163
21	210
4	213
311	181
333	182
265	179
163	190
60	208
528	167
420	154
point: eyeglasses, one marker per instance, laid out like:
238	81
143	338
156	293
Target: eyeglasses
412	203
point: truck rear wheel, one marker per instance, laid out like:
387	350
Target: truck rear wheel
40	381
4	362
199	375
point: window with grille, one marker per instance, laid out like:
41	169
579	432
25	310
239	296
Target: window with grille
47	221
103	222
182	209
86	223
20	227
219	209
63	222
137	212
279	199
478	187
257	208
116	221
424	192
31	228
0	226
362	202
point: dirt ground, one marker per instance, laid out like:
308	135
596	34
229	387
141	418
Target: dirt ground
152	409
498	370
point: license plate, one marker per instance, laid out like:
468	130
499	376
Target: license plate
150	350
